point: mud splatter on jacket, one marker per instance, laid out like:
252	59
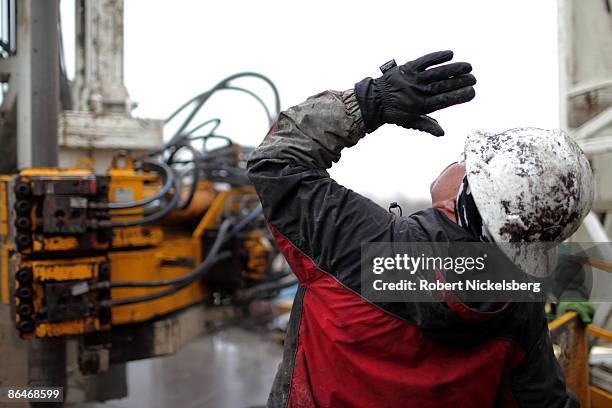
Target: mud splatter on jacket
341	349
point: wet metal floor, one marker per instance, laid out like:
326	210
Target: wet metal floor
232	368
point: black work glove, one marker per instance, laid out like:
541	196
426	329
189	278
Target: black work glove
406	93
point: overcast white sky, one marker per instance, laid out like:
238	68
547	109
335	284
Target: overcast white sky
174	50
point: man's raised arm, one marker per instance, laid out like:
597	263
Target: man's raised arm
304	206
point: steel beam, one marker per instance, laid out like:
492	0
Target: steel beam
37	82
597	145
594	125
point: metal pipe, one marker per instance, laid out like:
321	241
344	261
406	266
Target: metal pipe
38	87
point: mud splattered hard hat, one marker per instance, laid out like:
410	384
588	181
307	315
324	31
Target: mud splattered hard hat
530	186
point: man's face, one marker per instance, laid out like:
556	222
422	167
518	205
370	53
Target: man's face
446	186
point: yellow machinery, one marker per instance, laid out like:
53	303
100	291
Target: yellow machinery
102	263
83	254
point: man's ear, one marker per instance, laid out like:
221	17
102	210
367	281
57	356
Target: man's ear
448	206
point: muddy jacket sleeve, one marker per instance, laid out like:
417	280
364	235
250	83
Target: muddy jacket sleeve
321	218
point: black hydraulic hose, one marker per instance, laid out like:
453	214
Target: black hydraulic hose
246	220
223	152
202	98
179	282
158	215
194	171
181	205
161	293
216	121
223	84
196	155
166	174
199	103
253	291
202	155
266	80
183	106
222	236
205	138
186	136
257	98
182	281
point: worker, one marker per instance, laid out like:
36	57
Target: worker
343	350
572	282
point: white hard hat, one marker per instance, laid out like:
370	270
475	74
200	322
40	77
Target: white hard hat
530	186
